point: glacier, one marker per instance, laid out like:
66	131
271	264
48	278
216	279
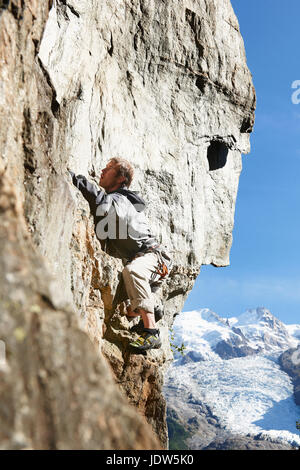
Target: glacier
249	394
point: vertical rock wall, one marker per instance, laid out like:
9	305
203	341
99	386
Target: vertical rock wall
164	84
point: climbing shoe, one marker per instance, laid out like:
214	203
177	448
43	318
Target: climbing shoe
147	340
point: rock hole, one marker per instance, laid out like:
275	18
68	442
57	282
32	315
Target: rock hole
55	108
217	155
79	92
246	126
111	49
4	4
200	83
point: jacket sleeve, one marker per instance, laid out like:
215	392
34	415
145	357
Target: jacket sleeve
88	190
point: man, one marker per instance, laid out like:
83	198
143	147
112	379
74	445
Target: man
123	231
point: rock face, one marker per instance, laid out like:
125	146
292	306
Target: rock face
290	363
56	391
246	443
164	85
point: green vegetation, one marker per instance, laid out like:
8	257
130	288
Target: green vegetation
177	435
174	346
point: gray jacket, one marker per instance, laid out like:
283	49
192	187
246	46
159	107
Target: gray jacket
120	223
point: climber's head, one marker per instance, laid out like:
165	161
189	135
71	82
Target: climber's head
117	173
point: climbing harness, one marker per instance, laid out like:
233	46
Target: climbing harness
164	264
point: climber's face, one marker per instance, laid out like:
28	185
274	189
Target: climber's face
109	179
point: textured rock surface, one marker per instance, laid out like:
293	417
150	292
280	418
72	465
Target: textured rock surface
56	390
246	443
205	432
164	85
290	363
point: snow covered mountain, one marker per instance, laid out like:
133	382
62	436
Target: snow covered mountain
229	380
210	337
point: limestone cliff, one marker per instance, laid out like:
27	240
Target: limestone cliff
164	84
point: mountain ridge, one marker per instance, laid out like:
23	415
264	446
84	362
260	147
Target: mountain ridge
253	332
232	368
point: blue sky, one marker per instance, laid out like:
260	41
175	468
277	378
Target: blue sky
265	256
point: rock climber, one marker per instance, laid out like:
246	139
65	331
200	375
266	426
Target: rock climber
123	231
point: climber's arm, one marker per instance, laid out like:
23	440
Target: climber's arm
88	190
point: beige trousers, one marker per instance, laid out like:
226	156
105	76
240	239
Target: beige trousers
137	275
